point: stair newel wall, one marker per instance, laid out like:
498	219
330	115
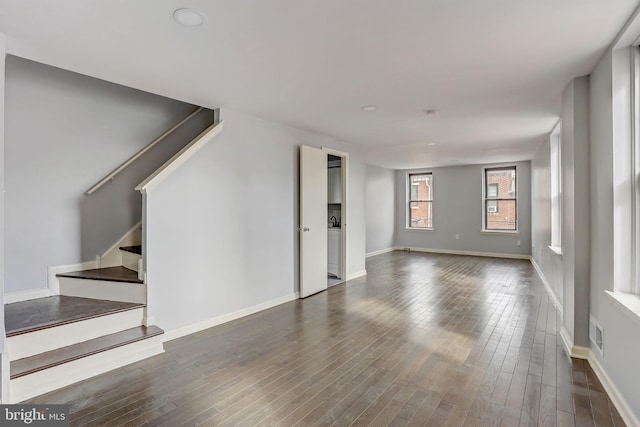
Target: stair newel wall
148	319
148	208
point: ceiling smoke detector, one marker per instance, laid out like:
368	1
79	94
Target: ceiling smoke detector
189	17
431	112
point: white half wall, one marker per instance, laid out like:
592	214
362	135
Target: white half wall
221	231
380	208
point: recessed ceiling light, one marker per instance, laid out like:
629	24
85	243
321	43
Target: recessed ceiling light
369	108
431	144
189	17
431	112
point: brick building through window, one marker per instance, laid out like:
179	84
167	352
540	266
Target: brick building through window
500	199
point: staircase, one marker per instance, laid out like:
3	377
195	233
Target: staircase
96	324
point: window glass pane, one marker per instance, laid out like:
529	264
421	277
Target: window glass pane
501	214
421	187
492	191
504	182
421	216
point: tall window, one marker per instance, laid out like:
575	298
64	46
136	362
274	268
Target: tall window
500	199
420	213
556	190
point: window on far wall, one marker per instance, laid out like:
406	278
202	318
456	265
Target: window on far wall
500	199
420	212
556	188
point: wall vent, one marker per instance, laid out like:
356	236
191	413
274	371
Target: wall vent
596	335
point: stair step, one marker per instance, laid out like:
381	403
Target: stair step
34	315
113	274
137	249
40	362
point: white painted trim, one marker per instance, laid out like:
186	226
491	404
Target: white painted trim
112	257
38	383
501	232
406	228
103	289
25	345
579	352
629	304
357	274
612	391
5	375
53	282
567	341
548	287
219	320
380	252
141	152
28	295
179	158
470	253
556	250
344	208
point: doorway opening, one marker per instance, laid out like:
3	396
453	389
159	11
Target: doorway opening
336	213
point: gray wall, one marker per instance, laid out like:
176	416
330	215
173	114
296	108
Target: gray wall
64	132
596	220
458	190
575	209
380	208
622	333
549	262
222	228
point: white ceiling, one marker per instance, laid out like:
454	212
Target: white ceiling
494	69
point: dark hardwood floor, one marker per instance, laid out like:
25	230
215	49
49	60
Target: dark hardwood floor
424	339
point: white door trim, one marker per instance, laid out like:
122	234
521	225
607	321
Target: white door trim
344	214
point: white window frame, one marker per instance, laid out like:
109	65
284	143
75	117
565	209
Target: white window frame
485	199
409	201
555	140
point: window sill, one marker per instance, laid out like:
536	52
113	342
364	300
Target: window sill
418	229
630	303
505	232
556	249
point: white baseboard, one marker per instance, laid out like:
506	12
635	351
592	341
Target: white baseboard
614	394
28	295
567	341
380	252
218	320
548	287
469	253
52	280
356	274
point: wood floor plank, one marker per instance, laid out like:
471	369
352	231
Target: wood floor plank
423	339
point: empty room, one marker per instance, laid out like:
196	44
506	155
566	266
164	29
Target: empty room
320	213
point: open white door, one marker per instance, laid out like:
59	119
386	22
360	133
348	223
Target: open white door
313	221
